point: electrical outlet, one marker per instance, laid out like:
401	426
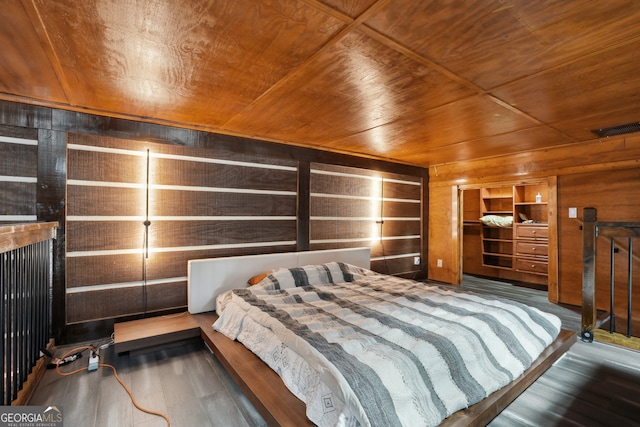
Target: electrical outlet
416	260
439	263
573	212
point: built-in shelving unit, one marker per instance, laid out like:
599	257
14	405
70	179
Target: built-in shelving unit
523	245
497	242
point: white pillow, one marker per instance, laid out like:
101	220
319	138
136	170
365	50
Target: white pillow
497	220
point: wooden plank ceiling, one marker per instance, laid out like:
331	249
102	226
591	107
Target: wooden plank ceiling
415	81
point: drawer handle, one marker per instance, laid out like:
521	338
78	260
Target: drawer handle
534	231
533	266
533	249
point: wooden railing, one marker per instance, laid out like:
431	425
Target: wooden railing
25	305
592	229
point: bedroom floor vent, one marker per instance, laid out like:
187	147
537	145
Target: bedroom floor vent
617	130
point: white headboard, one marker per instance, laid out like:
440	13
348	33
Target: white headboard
208	278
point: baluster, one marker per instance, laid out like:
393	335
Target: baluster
612	316
629	287
3	322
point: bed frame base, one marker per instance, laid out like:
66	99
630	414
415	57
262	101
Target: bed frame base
487	409
279	407
262	386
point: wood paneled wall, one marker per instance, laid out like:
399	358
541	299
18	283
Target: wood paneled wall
616	196
355	207
18	174
210	195
202	203
443	234
603	173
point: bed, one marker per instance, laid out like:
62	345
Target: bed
361	348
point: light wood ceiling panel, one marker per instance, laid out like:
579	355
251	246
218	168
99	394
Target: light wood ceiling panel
187	61
25	67
536	138
592	86
580	128
415	81
471	118
355	85
492	42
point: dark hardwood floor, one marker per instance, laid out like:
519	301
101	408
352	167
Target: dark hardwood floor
594	384
186	383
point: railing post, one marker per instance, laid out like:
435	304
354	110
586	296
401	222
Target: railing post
589	219
630	288
612	286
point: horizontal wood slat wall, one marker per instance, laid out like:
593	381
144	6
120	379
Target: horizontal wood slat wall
351	207
185	153
18	174
202	203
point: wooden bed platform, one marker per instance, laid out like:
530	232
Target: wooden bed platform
264	388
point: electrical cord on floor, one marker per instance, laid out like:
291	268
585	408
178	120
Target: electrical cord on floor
115	373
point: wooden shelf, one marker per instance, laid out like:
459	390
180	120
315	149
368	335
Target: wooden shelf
530	203
498	261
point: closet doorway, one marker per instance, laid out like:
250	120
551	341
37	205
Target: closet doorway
509	232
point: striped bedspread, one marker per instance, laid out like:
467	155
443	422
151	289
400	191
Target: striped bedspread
360	348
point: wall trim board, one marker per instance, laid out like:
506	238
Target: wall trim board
51	206
156	155
136	284
250	245
505	183
21	141
22	179
365	177
303	224
25	115
18	218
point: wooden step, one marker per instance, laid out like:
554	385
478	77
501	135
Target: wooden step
153	332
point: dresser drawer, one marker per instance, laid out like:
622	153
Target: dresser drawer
531	266
535	249
532	232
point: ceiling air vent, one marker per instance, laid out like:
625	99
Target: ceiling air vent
618	130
